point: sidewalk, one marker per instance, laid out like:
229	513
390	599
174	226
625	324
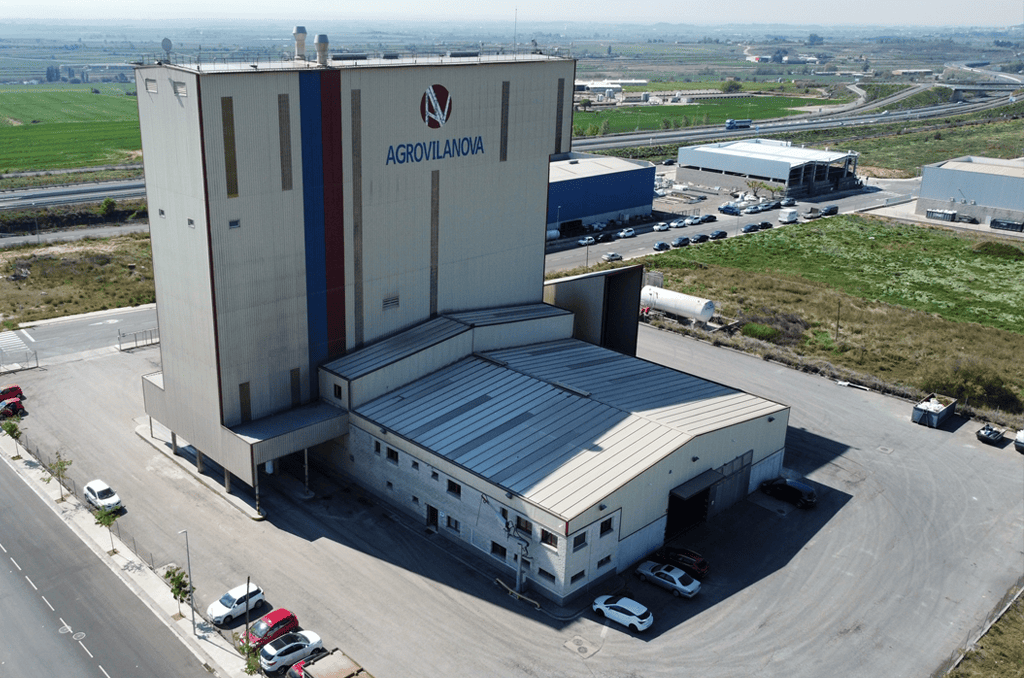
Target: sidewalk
212	650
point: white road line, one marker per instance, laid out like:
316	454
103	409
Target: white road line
104	672
30	582
48	604
2	548
64	624
86	649
28	336
16	564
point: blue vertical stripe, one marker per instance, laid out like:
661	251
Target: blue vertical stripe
313	209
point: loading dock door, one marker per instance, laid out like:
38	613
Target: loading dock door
688	503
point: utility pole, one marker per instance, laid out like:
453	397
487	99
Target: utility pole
191	588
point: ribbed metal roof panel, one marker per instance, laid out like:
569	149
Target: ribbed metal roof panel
395	348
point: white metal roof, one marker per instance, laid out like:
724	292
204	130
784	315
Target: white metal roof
767	149
563	424
979	165
393	349
591	166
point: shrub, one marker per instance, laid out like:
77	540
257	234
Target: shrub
973	382
759	331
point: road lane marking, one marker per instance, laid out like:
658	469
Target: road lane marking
30	582
28	336
86	649
2	547
16	564
104	672
52	609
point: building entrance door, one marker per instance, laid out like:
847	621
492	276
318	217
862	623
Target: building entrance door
431	516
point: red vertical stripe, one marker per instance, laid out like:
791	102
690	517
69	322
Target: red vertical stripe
334	231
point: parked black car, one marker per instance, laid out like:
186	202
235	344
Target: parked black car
764	225
660	246
681	241
718	235
751	228
604	237
793	491
707	218
690	561
700	237
829	210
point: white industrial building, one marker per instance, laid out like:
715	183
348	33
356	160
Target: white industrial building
792	170
349	261
973	187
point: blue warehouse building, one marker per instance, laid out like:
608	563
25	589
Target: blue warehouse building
586	189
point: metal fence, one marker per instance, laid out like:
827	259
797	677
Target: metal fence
130	340
980	630
18	359
123	532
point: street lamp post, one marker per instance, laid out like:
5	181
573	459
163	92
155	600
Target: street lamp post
191	597
35	216
558	216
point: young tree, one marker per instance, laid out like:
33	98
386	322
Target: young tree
181	587
731	86
107	517
58	470
107	207
11	428
586	103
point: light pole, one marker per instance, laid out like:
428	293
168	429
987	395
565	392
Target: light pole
35	216
191	598
558	217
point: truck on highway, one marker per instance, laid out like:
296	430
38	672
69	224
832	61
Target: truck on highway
738	124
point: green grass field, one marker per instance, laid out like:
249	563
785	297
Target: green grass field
59	126
711	112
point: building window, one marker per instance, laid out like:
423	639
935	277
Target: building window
151	85
337	391
579	541
161	212
544	573
191	223
415	466
179	88
235	223
526	563
524	525
453	524
604	561
548	538
376	446
454	489
606	526
582	574
498	550
393	456
504	514
433	475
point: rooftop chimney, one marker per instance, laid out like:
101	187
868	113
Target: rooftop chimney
321	44
299	33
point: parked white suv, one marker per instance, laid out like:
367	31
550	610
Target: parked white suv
627	233
234	603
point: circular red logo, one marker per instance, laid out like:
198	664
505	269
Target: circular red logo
436	106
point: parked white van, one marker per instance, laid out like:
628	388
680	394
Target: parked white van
788	216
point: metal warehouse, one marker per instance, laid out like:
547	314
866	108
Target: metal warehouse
349	274
974	187
794	171
584	189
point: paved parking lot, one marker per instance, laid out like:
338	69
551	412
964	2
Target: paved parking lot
917	534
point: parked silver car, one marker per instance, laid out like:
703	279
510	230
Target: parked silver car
668	577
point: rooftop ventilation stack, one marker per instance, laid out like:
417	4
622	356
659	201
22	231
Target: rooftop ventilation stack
321	43
299	33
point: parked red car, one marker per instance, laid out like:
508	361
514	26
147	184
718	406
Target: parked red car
11	391
11	407
271	626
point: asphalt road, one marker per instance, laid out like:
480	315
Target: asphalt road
916	536
65	612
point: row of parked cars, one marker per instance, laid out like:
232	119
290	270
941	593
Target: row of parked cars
735	210
11	397
283	645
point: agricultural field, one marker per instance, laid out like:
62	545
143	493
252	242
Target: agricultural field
896	304
710	112
60	126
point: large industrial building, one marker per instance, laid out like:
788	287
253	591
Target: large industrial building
349	266
791	170
584	189
973	187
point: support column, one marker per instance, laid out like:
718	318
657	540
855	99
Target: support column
174	443
199	461
227	481
305	457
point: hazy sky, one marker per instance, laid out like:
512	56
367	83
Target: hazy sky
797	12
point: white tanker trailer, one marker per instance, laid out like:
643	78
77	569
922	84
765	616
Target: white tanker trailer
677	303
